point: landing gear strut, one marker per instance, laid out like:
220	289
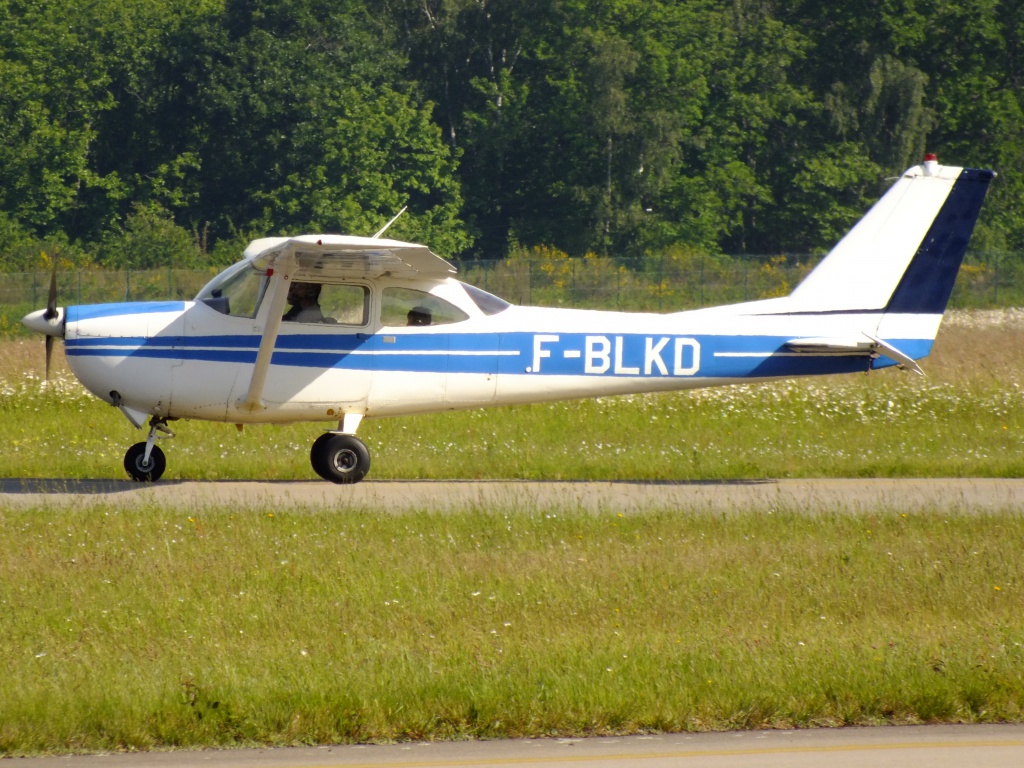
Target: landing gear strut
340	458
145	462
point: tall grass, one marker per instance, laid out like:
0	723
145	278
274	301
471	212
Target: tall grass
964	419
145	628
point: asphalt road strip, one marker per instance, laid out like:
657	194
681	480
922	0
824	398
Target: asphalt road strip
938	746
965	495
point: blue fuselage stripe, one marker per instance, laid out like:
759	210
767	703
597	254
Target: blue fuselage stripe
560	354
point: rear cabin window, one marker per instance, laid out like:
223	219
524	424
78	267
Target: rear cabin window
489	303
407	306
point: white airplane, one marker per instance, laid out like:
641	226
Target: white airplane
338	328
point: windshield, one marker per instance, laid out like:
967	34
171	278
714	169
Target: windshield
237	291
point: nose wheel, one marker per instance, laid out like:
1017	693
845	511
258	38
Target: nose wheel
342	459
145	462
142	469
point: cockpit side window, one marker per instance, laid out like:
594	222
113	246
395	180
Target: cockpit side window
407	306
237	291
345	304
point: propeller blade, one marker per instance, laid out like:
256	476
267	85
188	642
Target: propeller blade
51	312
51	299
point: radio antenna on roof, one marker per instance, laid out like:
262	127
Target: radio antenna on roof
384	229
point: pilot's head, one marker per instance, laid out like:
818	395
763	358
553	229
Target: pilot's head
303	294
419	316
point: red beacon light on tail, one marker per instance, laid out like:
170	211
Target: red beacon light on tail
931	164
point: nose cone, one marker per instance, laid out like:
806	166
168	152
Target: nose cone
45	321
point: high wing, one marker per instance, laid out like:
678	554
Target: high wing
319	258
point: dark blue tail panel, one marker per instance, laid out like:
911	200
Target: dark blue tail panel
928	281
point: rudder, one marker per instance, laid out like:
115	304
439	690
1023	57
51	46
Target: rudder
928	282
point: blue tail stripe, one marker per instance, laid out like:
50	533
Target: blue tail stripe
928	282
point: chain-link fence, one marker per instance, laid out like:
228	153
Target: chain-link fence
662	284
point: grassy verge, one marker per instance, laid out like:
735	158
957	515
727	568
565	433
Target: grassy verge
149	628
963	419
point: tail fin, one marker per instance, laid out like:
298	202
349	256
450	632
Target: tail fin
928	282
904	255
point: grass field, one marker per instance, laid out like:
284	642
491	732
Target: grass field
963	419
155	627
152	628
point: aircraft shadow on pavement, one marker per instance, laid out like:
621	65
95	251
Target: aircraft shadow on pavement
99	487
62	485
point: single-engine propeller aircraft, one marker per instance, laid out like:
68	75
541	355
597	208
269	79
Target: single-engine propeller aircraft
337	328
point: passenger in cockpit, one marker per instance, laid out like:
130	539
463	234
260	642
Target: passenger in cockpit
418	316
304	299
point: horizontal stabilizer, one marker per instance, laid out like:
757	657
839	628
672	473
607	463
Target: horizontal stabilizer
867	346
824	346
890	351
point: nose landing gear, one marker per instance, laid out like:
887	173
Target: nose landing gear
145	462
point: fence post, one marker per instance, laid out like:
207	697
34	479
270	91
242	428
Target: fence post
702	258
661	277
529	281
995	283
572	283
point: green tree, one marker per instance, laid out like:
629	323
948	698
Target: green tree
52	93
302	122
149	239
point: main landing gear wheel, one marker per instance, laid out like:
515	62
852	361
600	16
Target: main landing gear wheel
141	470
342	459
317	453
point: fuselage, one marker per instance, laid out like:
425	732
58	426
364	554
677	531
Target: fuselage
188	360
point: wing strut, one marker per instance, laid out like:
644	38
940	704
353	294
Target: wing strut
253	398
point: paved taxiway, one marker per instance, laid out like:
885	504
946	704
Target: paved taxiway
814	495
943	746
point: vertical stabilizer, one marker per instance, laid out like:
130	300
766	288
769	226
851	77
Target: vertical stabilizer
903	256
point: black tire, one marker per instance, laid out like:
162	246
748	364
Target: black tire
342	459
317	453
148	472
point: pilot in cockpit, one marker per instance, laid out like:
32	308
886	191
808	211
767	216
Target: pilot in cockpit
304	299
418	316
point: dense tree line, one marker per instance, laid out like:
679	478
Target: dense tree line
150	132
